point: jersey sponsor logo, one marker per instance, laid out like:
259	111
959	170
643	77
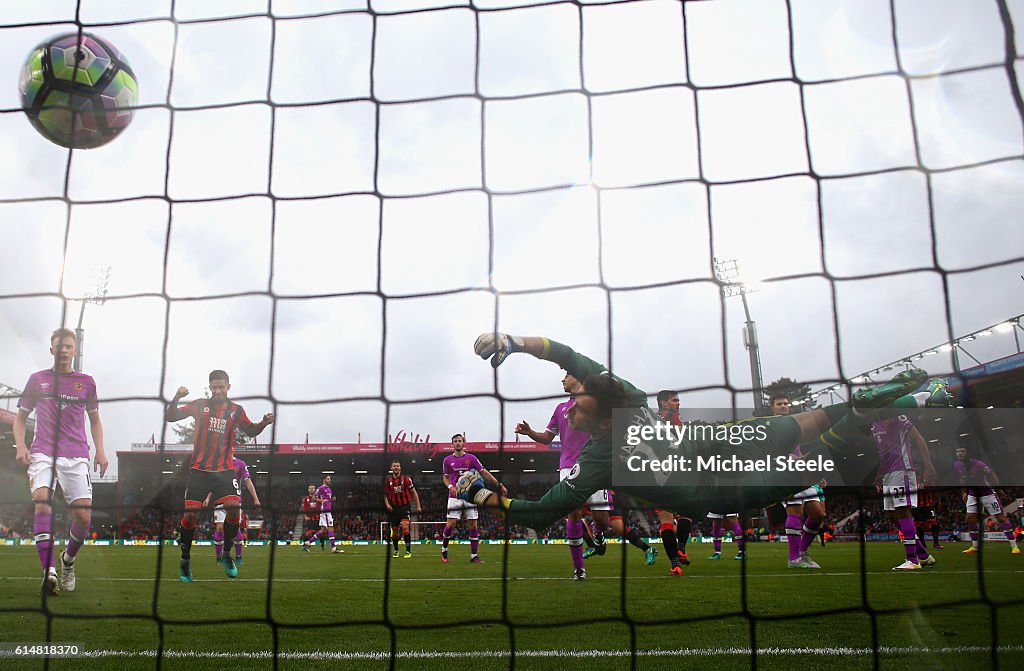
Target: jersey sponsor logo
218	424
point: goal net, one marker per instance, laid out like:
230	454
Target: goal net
331	199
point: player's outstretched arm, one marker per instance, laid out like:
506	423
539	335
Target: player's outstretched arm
498	346
523	428
253	430
173	413
416	498
494	481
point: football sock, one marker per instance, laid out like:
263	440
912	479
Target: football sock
1007	530
474	541
738	537
230	529
574	538
218	542
808	533
683	527
794	526
716	535
78	533
668	540
407	538
973	527
634	537
238	544
330	537
909	531
922	551
42	528
185	534
446	536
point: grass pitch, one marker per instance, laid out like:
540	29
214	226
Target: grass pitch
350	611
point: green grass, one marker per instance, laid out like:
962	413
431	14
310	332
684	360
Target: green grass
336	604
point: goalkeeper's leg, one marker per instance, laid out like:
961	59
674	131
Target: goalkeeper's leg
842	428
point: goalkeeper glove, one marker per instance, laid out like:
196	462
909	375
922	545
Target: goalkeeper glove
470	487
497	346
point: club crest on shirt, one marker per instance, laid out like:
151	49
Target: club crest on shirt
573	472
78	386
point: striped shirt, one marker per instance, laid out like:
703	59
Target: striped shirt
398	490
214	440
311	508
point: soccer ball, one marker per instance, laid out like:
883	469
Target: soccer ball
78	91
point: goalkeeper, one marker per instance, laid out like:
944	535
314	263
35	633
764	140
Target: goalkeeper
838	426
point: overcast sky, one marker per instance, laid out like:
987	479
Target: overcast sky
613	145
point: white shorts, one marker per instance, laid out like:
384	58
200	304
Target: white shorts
989	502
720	516
457	508
327	520
72	475
219	515
812	493
899	490
599	500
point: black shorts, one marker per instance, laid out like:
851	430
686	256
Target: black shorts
398	514
922	515
221	484
313	525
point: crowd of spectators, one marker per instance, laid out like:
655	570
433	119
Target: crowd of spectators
358	514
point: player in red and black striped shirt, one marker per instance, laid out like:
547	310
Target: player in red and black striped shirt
212	468
398	493
311	513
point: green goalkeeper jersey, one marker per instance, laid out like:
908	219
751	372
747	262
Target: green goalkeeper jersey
593	471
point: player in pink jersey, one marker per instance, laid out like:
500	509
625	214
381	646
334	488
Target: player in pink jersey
61	397
325	497
980	495
220	513
454	465
895	438
572	444
805	511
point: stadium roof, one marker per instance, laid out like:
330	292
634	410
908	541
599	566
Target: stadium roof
960	377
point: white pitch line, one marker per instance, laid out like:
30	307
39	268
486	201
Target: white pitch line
330	655
686	578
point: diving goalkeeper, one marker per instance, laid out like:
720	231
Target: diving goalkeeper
840	427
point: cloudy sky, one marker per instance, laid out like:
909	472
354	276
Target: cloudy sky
331	202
